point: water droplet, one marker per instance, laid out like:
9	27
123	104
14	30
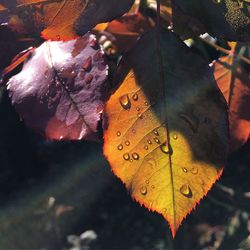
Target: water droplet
127	143
138	109
126	157
140	115
153	186
125	102
147	181
194	170
89	78
149	142
175	136
135	156
146	103
165	148
143	190
146	147
156	132
184	170
87	65
164	210
186	190
118	133
133	131
120	147
157	140
135	97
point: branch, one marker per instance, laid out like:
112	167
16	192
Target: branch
231	197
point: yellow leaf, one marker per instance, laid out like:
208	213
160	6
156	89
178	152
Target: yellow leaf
166	132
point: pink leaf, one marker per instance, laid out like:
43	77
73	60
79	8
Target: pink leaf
61	89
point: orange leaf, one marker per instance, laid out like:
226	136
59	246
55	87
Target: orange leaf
166	128
66	19
2	8
233	80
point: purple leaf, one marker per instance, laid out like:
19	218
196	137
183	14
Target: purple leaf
61	89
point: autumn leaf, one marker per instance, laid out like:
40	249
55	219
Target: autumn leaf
226	19
61	89
232	77
2	8
128	29
166	130
65	19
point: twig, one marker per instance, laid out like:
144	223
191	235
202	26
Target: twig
225	51
231	197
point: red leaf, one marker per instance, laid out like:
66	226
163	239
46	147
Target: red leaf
233	79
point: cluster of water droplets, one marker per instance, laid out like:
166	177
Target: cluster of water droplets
126	103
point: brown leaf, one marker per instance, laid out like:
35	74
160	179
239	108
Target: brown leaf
65	19
233	78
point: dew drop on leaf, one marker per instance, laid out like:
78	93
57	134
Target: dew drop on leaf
126	157
146	147
125	102
135	97
157	140
133	131
175	136
143	190
165	148
194	170
89	79
120	147
186	190
149	141
127	143
184	170
164	210
118	133
87	64
135	156
156	132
